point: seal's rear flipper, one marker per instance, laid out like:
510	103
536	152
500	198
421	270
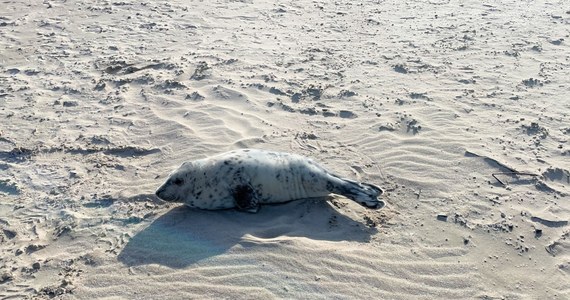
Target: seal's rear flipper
373	205
244	199
364	194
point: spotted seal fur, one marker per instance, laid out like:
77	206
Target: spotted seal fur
246	178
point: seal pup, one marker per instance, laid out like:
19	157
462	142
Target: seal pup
246	178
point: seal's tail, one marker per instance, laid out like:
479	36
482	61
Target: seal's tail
362	193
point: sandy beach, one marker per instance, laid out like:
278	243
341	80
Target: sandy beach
459	110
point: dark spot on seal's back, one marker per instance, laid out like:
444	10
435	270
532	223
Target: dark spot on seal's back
243	197
246	150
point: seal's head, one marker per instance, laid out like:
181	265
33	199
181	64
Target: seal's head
174	189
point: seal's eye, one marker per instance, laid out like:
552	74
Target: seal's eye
178	181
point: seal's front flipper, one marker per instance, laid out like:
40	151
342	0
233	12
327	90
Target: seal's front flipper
244	199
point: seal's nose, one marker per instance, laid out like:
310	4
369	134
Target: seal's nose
158	192
163	195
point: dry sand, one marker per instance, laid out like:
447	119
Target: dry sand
100	100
